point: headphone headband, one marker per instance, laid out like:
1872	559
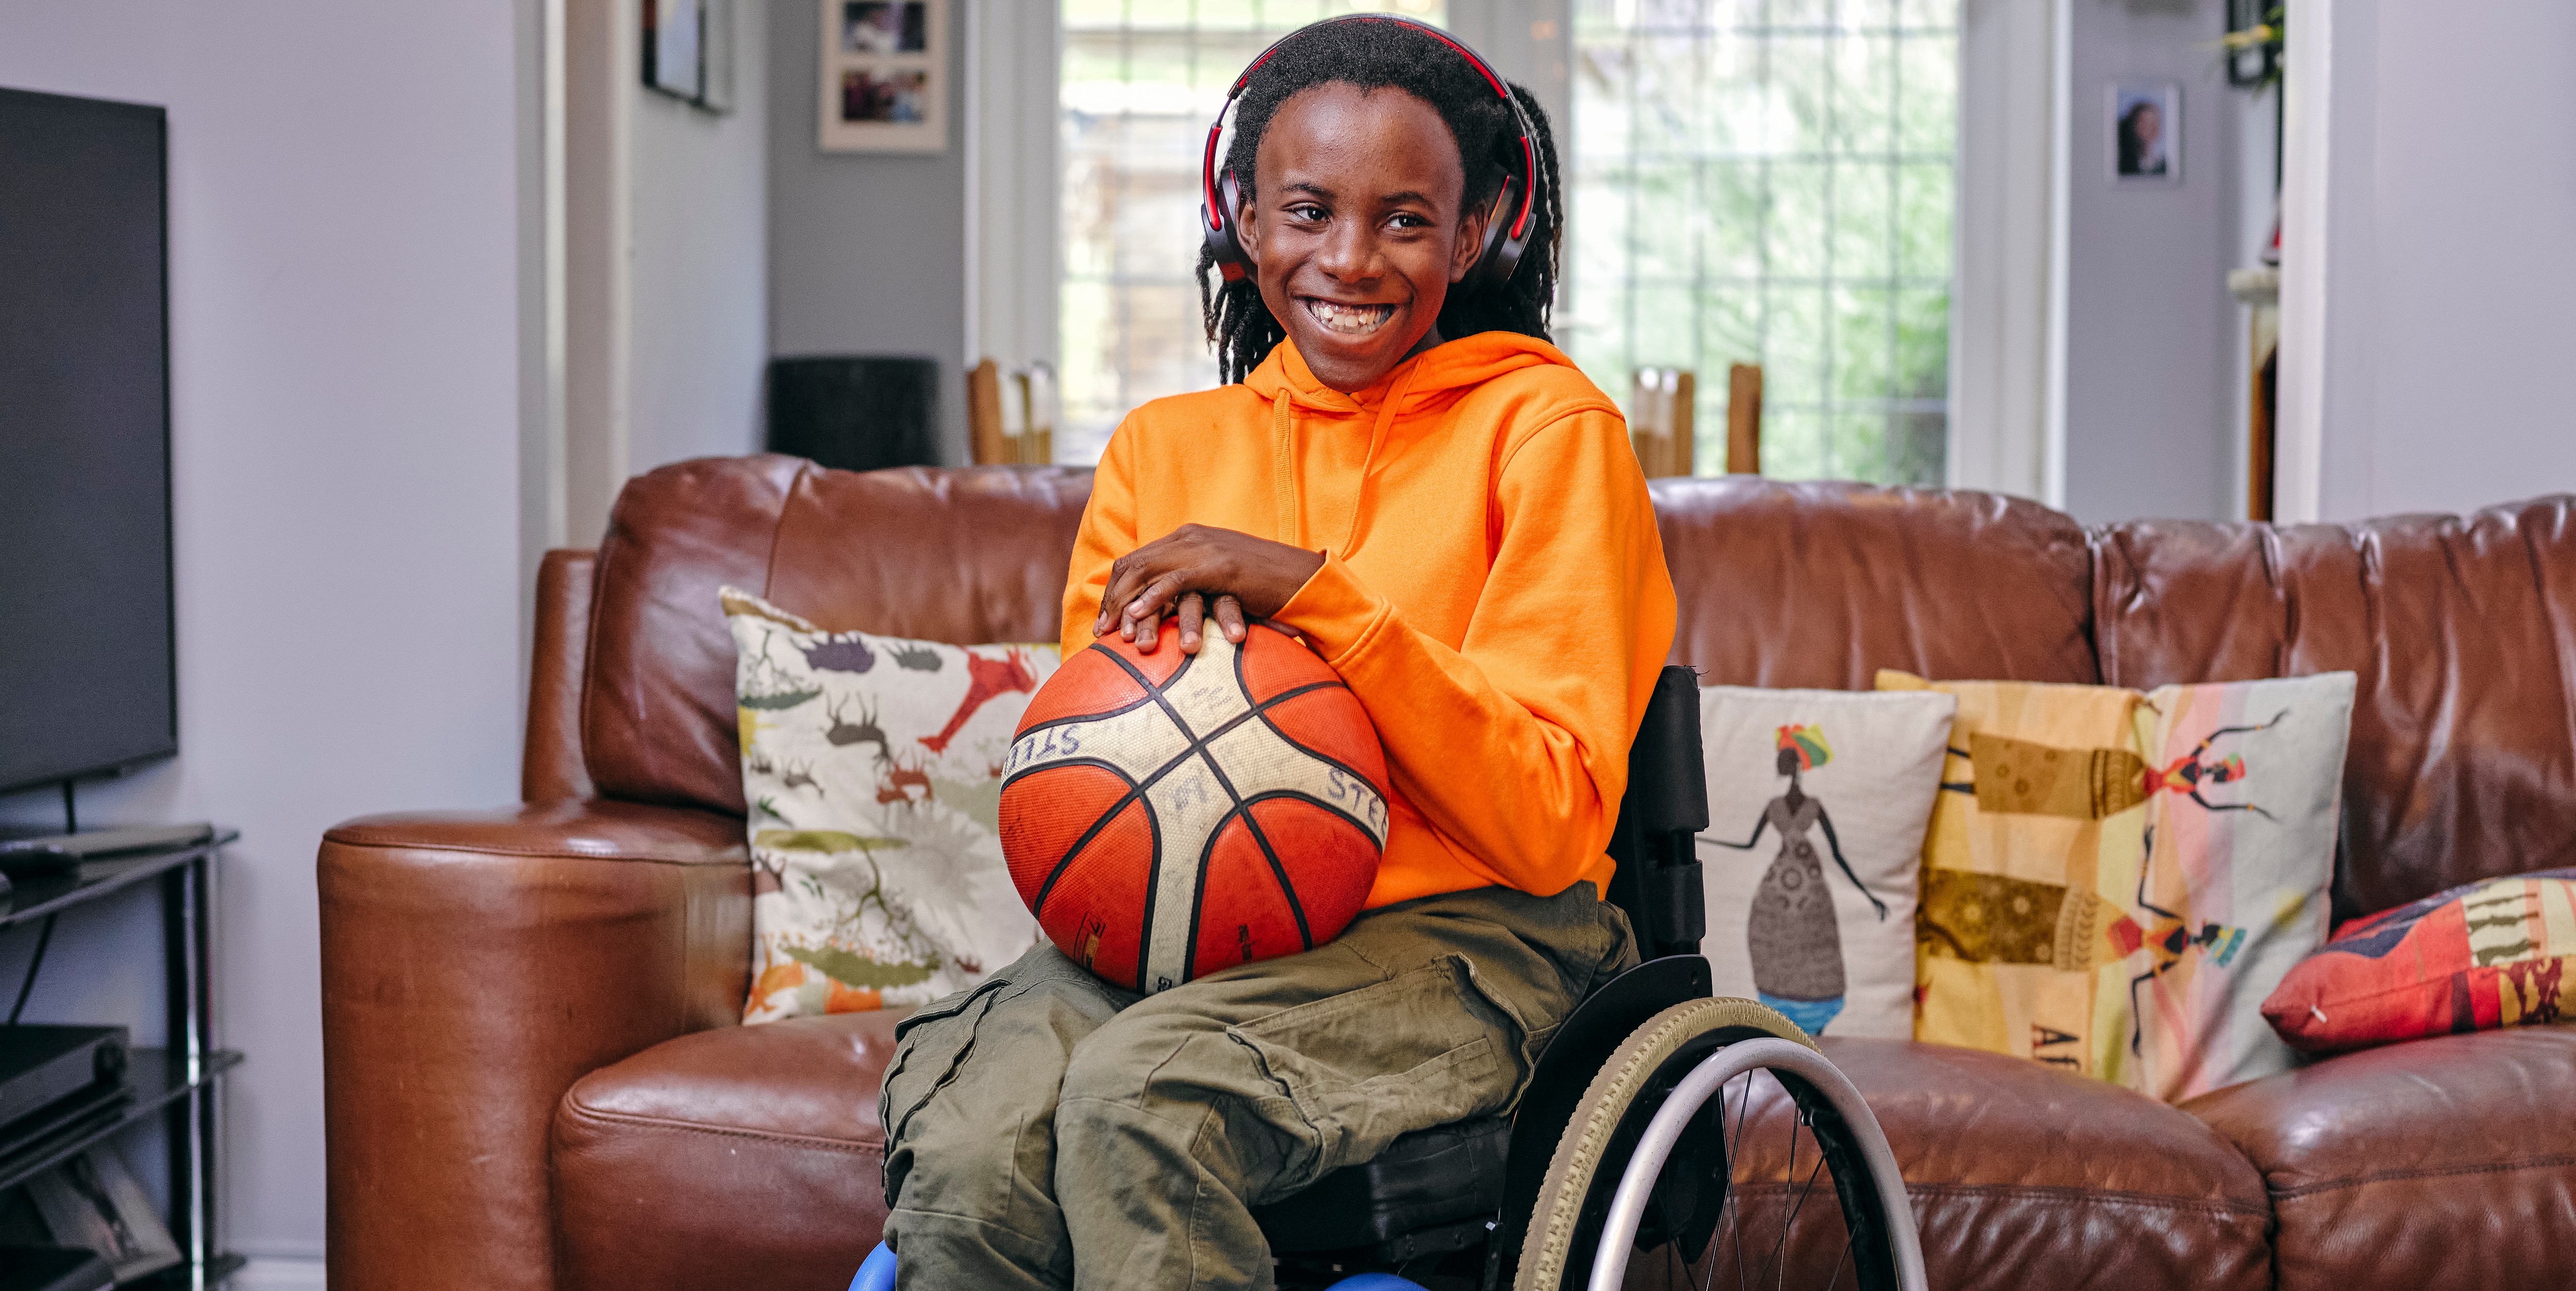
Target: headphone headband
1504	243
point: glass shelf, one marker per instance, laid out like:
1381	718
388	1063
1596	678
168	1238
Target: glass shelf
36	896
154	1079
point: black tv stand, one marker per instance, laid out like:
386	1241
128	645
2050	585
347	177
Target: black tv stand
181	1082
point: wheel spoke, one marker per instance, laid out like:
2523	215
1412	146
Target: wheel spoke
1779	1246
1735	1150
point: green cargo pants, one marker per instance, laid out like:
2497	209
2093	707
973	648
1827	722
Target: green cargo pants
1047	1129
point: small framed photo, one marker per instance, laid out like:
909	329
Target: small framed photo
2146	133
885	76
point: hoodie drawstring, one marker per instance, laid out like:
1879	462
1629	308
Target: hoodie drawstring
1283	473
1283	468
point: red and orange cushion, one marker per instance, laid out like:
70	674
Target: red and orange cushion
2497	953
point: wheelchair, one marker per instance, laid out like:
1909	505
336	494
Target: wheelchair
1638	1135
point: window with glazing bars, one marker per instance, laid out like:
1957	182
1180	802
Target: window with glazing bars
1771	181
1141	80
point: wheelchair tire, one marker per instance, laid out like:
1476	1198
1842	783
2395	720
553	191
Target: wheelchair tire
1642	1103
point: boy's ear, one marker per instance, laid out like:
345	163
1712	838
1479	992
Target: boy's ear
1247	231
1471	242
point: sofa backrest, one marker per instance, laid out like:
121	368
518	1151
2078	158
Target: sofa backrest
968	556
1822	585
2462	630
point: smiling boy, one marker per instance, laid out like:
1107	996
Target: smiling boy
1401	469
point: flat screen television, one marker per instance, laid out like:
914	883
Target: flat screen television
87	657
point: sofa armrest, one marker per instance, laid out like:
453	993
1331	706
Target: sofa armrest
475	965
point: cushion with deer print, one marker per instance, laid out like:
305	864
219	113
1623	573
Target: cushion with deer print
873	768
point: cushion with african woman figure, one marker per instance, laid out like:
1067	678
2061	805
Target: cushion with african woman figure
1817	802
2114	879
873	769
2495	953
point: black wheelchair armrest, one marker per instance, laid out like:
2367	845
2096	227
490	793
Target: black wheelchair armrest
1657	881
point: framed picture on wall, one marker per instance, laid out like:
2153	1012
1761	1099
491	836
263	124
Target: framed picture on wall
885	76
688	50
2146	133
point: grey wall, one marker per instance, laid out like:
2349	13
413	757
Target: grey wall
2450	256
344	349
701	278
867	251
2153	373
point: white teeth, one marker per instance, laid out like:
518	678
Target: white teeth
1350	320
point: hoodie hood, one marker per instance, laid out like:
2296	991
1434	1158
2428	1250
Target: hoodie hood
1410	395
1426	380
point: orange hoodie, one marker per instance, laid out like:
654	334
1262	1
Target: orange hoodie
1493	588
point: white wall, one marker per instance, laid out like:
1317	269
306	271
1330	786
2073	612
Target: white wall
665	276
867	251
701	286
344	329
2450	255
2153	375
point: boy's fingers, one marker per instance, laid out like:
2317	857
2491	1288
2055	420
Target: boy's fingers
1153	596
1229	618
1148	630
1192	613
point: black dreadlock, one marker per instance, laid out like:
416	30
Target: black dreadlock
1374	55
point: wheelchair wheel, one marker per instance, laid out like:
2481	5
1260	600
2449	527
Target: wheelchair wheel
1701	1142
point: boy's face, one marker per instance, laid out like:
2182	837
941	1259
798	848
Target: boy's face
1354	227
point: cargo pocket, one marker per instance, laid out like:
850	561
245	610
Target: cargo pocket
929	1047
1353	1072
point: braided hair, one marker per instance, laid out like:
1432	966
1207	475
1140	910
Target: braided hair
1370	56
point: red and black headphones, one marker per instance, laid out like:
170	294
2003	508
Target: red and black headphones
1505	240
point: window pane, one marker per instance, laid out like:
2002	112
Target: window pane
1772	181
1140	80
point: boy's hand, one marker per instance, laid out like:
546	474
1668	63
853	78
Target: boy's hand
1250	578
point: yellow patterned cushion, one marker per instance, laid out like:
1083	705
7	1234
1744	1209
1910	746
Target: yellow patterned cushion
2113	881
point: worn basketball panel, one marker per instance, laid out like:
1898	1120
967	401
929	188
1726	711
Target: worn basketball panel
1271	662
1091	912
1244	914
1158	667
1331	861
1045	814
1332	724
1090	684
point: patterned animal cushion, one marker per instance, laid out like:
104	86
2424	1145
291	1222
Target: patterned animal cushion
1817	801
2113	881
2495	954
873	766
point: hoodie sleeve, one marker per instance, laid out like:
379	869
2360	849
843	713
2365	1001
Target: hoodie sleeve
1108	532
1515	744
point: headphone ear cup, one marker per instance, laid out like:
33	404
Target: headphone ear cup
1221	240
1502	253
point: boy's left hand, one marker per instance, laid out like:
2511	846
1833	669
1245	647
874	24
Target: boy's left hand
1250	578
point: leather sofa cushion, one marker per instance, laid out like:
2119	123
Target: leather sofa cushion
966	556
750	1156
745	1156
2021	1175
2441	1163
1821	585
2463	631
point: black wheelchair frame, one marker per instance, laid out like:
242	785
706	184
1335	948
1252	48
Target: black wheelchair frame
1437	1195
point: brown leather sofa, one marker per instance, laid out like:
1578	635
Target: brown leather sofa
535	1080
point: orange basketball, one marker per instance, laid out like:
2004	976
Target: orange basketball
1167	815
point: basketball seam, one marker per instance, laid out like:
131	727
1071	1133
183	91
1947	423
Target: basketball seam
1137	788
1262	711
1197	747
1278	871
1037	907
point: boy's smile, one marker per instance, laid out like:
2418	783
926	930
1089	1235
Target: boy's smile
1354	230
